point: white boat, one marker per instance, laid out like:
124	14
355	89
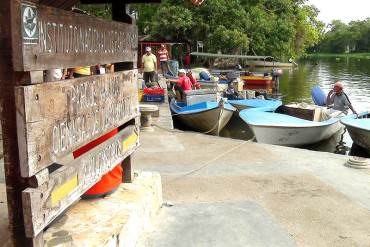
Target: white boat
255	103
359	129
207	117
280	129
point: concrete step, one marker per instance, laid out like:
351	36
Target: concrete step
116	220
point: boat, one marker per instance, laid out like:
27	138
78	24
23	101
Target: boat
275	128
255	103
256	79
207	117
359	129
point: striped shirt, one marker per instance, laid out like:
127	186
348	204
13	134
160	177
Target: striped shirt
163	55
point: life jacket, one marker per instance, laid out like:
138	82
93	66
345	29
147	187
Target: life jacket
110	181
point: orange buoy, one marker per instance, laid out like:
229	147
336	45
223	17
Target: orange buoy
110	181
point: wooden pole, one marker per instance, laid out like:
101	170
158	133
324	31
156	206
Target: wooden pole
15	184
119	14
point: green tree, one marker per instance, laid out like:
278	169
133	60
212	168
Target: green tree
227	41
281	28
172	22
99	10
341	37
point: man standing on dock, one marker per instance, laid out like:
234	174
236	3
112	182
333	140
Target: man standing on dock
338	100
163	58
149	65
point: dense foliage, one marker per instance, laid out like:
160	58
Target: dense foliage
343	38
99	10
281	28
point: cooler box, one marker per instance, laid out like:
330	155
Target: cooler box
201	95
153	98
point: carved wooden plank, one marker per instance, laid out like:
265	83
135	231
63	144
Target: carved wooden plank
55	38
43	204
56	118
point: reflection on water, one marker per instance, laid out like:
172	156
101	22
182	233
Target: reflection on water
296	85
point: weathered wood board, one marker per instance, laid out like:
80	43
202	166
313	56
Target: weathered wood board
56	118
54	38
43	204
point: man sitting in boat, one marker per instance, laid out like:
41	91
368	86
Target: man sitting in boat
193	80
338	100
181	85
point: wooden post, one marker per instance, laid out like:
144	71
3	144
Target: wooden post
8	80
127	172
119	14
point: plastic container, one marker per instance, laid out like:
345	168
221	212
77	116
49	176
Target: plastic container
153	98
152	91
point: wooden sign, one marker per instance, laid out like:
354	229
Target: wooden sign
43	204
56	118
54	38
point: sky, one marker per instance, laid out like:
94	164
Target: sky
344	10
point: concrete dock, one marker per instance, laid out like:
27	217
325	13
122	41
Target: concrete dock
224	192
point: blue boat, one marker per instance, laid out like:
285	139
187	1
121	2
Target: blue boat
281	129
359	129
205	117
255	103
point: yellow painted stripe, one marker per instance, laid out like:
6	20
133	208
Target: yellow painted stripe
63	190
130	141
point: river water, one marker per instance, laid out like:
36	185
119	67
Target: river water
296	84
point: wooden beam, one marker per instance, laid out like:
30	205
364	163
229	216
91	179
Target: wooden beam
55	38
43	204
56	118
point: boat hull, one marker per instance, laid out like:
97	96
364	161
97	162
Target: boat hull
210	121
360	137
294	136
360	134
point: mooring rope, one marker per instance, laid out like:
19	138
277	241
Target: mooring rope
207	163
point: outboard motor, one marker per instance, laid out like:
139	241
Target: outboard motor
276	73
